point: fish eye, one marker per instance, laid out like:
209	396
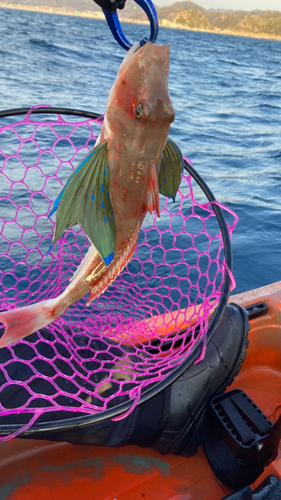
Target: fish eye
139	111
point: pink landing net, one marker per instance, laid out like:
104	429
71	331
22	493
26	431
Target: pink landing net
144	325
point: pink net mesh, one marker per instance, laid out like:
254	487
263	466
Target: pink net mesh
143	326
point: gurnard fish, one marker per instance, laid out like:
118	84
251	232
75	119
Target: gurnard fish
114	186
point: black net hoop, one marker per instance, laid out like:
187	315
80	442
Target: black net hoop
37	153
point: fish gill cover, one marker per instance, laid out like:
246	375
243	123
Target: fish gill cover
134	335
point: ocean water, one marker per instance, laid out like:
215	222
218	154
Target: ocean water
226	93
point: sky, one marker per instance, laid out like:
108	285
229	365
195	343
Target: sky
232	4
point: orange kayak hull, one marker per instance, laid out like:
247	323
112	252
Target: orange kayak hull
43	470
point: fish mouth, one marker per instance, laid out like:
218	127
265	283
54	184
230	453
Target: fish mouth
158	53
148	53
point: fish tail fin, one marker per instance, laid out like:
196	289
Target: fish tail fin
23	321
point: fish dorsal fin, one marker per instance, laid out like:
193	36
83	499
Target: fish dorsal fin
171	169
85	200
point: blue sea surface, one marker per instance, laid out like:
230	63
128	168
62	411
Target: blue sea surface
226	91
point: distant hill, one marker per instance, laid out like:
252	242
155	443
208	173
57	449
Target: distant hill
186	15
73	5
190	15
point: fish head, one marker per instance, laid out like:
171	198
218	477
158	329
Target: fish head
139	109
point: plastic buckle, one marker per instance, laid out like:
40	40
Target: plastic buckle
269	489
256	310
241	440
115	26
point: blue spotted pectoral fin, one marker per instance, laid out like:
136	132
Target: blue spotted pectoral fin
85	200
171	169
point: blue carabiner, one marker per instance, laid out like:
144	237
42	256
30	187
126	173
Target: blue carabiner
115	26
